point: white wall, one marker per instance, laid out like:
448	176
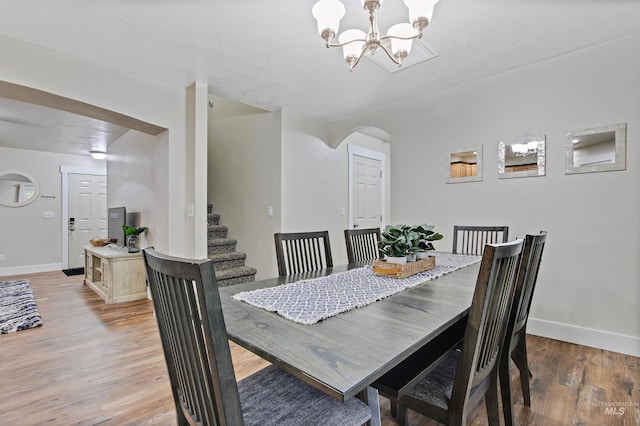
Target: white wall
131	177
244	178
135	96
588	289
30	242
315	180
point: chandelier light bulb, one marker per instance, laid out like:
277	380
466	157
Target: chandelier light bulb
328	13
353	43
401	39
420	12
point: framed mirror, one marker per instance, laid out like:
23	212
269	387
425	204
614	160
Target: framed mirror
17	188
464	165
598	149
523	157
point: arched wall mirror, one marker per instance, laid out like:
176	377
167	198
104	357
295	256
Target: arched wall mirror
17	188
464	165
598	149
523	157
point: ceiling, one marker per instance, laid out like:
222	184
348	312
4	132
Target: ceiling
268	54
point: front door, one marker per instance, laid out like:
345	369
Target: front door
87	214
367	192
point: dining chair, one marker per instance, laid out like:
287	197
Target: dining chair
472	239
448	390
196	349
298	252
362	244
515	346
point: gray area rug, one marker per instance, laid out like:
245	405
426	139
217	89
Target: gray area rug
312	300
18	308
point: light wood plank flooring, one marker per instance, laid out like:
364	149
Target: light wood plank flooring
92	363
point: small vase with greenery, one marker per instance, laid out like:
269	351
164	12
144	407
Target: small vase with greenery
131	235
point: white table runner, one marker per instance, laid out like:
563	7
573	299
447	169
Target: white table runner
312	300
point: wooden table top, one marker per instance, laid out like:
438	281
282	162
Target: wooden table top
344	354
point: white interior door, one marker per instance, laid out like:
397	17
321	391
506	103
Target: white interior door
367	192
87	214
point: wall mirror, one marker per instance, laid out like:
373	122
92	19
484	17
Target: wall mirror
17	188
464	165
598	149
523	157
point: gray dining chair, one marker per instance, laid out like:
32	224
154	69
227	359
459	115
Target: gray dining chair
469	239
298	252
515	346
448	390
196	349
362	244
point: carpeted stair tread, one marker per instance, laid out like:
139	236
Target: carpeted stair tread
221	245
213	218
221	241
227	260
217	231
237	275
232	255
236	272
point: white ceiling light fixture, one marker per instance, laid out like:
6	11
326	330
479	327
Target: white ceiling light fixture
98	155
356	43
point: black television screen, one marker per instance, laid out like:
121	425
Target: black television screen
117	218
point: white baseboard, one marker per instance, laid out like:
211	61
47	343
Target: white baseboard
31	269
606	340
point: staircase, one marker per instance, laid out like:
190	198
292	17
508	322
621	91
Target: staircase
227	262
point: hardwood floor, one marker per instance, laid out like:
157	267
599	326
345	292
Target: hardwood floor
92	363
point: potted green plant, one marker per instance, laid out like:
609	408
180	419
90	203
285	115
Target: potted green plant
131	235
396	242
425	236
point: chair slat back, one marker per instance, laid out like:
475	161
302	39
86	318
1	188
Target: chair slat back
527	278
362	244
488	318
194	339
473	239
299	252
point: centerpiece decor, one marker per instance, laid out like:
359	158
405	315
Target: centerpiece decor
132	235
398	243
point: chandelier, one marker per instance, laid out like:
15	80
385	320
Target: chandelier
356	43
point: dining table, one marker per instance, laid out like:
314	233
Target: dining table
345	354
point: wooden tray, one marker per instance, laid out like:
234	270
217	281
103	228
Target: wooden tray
396	270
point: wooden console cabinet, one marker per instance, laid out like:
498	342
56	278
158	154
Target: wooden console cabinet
115	274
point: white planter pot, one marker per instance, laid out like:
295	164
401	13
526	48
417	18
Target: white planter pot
411	257
422	254
399	260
